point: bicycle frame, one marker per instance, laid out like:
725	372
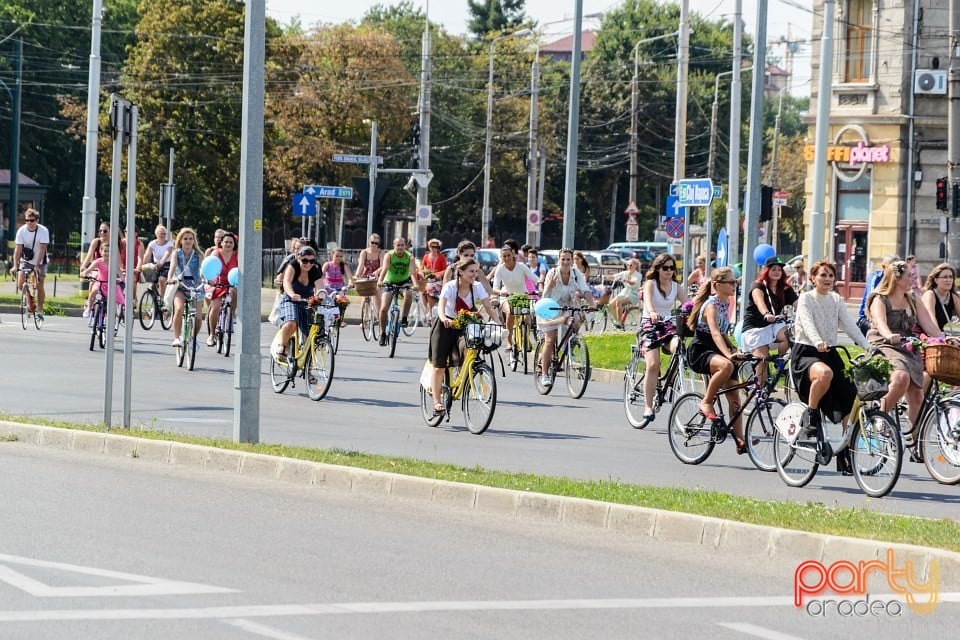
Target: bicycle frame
464	376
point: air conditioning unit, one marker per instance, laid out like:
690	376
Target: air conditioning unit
930	82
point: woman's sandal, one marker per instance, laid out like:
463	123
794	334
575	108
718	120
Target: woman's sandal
647	419
742	446
438	408
708	413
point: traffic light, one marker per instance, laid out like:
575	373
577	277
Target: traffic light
956	200
942	194
766	203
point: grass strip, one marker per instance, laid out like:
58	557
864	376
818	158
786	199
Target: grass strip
814	517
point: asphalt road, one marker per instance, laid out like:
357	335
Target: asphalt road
373	406
116	548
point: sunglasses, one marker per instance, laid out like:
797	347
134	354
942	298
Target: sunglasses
434	246
31	219
668	267
376	242
726	282
308	261
102	231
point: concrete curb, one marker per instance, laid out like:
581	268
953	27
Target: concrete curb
713	533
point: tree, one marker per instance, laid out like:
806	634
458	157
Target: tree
488	16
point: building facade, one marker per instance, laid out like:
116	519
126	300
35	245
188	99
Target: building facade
887	134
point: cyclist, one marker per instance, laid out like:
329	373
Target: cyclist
567	286
95	251
396	270
580	262
219	288
185	269
301	279
158	254
711	352
940	295
31	249
769	296
101	268
539	270
629	295
894	311
368	264
661	293
510	277
815	365
432	267
460	294
216	242
336	272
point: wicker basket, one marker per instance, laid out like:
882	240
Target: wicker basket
366	287
942	363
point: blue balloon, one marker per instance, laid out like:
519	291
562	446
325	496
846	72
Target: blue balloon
738	332
233	277
547	308
211	267
762	253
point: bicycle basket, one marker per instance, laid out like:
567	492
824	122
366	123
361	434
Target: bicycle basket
942	363
683	330
868	386
366	287
473	334
520	311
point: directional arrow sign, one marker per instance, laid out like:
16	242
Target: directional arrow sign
695	193
320	191
304	205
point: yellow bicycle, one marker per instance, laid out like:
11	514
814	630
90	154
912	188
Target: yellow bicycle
312	358
474	382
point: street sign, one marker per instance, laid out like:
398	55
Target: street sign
320	191
696	192
346	157
722	248
717	191
424	215
632	208
673	208
533	220
674	227
673	190
780	198
633	232
423	178
304	205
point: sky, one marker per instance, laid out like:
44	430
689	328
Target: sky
784	17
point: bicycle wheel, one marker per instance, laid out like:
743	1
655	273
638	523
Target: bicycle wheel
876	454
147	310
577	367
281	373
542	388
24	306
430	417
761	425
939	441
319	371
393	326
631	321
94	322
102	325
38	318
190	343
366	319
517	342
689	430
633	395
526	348
796	463
480	398
333	335
413	318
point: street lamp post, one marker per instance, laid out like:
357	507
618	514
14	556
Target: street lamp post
14	146
486	215
373	175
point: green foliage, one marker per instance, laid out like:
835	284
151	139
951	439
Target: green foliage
494	16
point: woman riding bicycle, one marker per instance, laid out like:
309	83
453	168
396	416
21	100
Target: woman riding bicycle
432	267
629	295
567	286
101	269
711	352
301	279
762	325
661	293
158	254
185	268
940	295
460	294
219	288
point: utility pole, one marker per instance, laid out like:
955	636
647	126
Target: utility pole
88	212
573	130
423	161
373	177
680	142
733	176
15	97
634	105
532	142
953	131
774	236
823	125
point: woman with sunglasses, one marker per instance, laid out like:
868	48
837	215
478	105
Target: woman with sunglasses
711	352
894	314
769	296
219	288
369	264
940	295
95	252
301	279
661	294
184	268
432	267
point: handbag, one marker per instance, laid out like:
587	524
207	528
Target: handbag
274	318
169	294
426	376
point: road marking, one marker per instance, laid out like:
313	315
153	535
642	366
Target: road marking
263	630
196	420
759	632
144	585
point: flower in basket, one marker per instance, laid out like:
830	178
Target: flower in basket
518	301
876	367
466	317
342	301
314	301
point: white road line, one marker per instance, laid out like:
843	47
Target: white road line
195	420
759	632
263	630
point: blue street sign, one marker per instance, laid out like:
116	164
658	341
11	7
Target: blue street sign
695	193
320	191
304	205
722	248
673	190
355	159
717	191
673	208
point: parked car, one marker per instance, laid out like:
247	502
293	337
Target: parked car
605	263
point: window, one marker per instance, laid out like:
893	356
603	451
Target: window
853	199
859	44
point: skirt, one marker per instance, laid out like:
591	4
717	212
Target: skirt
290	311
655	335
902	360
838	400
701	350
444	349
751	339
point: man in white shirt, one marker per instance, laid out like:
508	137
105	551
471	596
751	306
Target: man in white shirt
31	249
510	277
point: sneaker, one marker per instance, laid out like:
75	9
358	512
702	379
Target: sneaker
383	339
211	341
40	316
177	342
811	421
545	381
403	323
908	439
86	311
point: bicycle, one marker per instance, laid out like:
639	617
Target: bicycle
332	312
187	349
474	382
522	345
28	296
151	307
571	355
872	438
393	314
418	313
312	357
97	320
673	382
938	431
693	436
369	322
223	333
